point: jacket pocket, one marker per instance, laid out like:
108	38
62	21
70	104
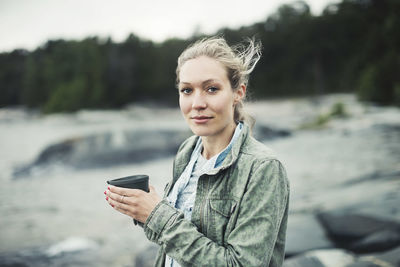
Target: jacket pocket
219	214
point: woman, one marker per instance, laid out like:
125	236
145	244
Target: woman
227	204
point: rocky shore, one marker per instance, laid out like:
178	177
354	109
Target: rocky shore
342	159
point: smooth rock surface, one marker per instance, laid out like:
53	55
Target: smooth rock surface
304	233
390	258
107	149
378	241
71	245
263	132
146	257
344	228
321	258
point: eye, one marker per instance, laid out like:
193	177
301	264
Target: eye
212	89
186	91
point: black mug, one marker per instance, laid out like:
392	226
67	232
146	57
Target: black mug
134	182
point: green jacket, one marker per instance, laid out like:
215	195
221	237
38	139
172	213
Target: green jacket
239	216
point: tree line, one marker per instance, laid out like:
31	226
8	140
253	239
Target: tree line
353	46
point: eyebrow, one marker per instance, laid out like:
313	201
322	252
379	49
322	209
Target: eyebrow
204	82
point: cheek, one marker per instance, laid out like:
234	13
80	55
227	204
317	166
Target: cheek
184	105
224	105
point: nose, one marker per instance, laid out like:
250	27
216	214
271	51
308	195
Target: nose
199	101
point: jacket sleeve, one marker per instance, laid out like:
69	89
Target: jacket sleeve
252	240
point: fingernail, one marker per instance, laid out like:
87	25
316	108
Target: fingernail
112	205
106	198
108	188
105	193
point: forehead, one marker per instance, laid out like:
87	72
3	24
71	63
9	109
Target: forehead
201	69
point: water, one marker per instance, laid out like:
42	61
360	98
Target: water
68	206
54	205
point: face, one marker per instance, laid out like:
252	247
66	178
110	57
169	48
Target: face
206	98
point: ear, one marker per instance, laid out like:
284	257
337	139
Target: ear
239	94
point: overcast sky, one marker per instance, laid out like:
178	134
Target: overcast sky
29	23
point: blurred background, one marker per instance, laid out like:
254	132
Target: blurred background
87	93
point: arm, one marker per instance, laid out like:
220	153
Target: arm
252	240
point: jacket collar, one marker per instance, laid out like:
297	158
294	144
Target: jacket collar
183	157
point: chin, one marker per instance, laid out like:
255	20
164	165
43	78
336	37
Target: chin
201	130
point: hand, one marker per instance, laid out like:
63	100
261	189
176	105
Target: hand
135	203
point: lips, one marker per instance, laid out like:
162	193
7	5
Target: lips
201	119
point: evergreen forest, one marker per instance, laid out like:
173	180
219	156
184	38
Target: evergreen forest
352	46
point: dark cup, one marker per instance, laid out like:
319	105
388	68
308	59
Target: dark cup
135	182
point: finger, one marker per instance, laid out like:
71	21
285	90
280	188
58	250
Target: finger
113	196
118	190
118	205
123	191
121	210
116	197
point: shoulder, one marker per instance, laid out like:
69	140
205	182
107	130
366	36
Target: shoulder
258	151
262	162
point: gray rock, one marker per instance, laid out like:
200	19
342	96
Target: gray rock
376	175
37	257
378	241
345	228
107	149
303	261
321	258
390	258
263	132
304	233
146	257
366	264
12	262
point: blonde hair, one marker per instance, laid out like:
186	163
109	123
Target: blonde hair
239	61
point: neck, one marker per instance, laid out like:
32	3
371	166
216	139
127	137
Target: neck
212	145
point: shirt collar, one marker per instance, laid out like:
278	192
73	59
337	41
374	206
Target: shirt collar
219	158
